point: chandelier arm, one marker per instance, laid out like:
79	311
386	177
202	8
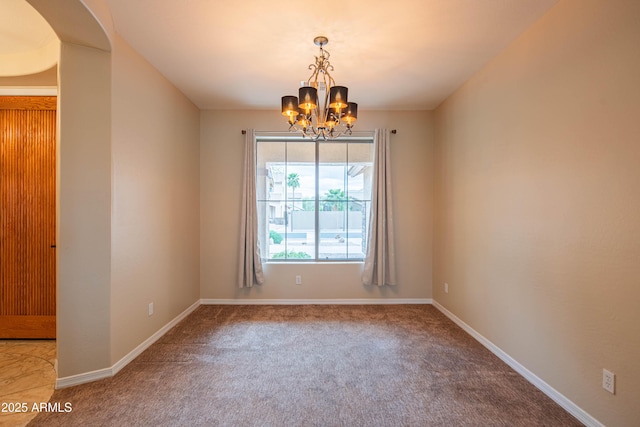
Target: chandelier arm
328	67
314	74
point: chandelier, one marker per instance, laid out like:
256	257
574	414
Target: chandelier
321	109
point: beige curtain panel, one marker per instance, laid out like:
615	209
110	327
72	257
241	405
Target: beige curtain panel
250	268
379	264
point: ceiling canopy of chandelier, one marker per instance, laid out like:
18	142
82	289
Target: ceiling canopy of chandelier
321	110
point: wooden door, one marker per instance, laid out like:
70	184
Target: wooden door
27	217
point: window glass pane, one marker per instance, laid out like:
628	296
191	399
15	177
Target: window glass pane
299	235
270	161
358	228
268	154
285	178
359	183
332	161
301	186
333	234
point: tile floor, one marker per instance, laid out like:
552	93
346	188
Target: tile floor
27	377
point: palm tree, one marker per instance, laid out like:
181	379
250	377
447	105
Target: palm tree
293	181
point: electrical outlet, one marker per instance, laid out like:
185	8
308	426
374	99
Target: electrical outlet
609	381
446	288
150	308
298	280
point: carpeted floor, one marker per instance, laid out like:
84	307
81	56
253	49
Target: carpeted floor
391	365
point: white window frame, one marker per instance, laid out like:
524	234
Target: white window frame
356	137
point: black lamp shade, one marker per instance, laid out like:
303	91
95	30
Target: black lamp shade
338	97
308	98
289	105
351	113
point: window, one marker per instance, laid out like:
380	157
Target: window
313	198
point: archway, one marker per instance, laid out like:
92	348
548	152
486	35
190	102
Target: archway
83	187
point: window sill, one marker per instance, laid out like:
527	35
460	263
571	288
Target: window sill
319	262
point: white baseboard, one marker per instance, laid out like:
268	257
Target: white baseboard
85	377
556	396
153	338
357	301
109	372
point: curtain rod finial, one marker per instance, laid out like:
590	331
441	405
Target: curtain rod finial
394	131
244	132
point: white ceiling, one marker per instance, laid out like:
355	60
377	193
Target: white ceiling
396	55
22	28
27	42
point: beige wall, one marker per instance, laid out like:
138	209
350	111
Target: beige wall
221	158
537	203
84	200
155	201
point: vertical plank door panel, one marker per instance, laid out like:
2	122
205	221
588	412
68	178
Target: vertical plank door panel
27	217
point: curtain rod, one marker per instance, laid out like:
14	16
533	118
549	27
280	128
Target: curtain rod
393	131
